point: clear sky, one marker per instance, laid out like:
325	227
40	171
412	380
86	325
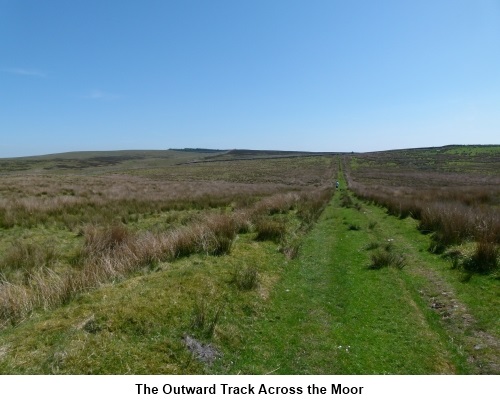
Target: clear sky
332	75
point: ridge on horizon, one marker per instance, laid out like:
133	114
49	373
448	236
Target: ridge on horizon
229	151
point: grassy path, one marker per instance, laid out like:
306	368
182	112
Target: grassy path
332	314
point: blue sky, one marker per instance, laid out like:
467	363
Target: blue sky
338	75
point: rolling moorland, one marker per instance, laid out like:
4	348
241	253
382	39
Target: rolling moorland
200	261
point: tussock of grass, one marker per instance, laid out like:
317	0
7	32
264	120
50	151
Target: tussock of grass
384	258
204	317
273	230
455	257
28	255
104	239
290	247
245	279
218	234
276	204
311	205
484	260
372	246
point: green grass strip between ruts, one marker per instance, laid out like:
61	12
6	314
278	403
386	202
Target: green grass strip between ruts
331	314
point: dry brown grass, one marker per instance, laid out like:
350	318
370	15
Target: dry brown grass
311	204
28	255
73	200
451	219
31	199
274	230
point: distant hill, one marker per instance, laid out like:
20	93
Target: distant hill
95	162
199	150
98	161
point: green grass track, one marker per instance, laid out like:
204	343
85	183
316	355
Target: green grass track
332	314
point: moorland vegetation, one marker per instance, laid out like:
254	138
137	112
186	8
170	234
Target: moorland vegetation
200	261
69	232
453	192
